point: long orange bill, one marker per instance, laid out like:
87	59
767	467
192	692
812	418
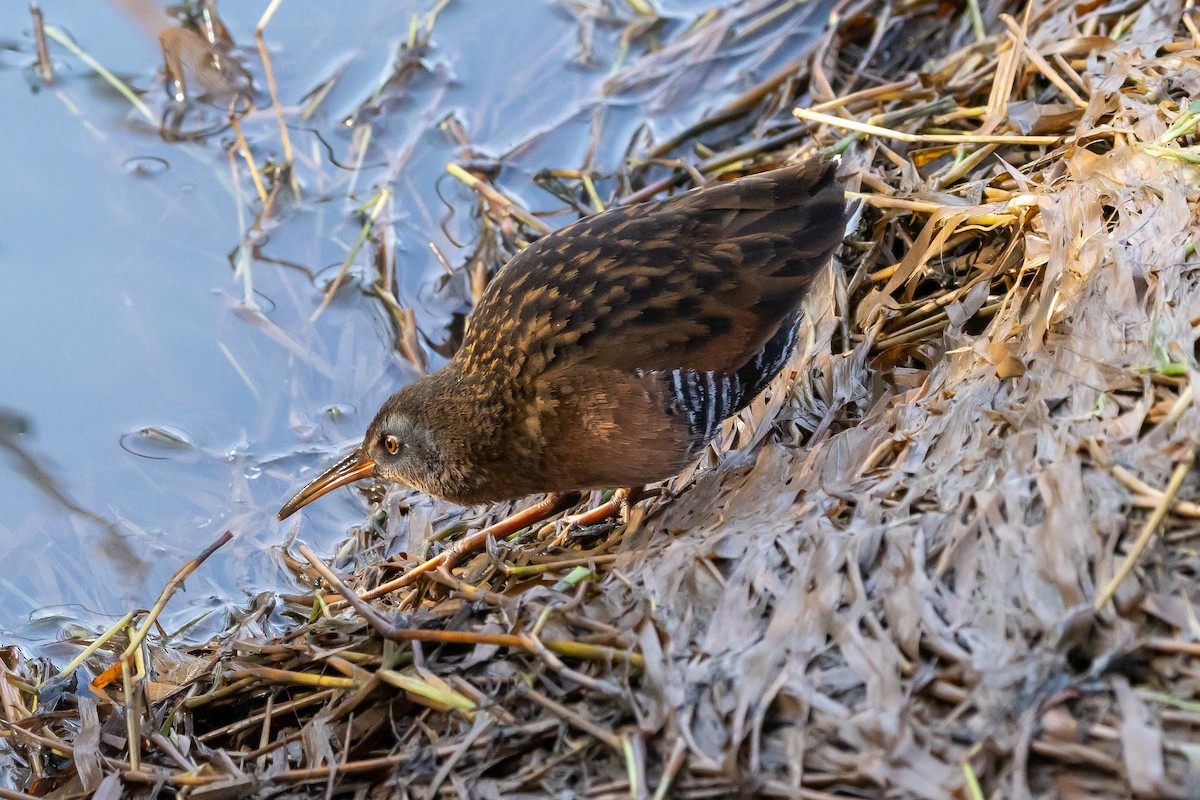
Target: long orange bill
353	467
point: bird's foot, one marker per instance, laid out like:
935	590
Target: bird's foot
621	504
473	543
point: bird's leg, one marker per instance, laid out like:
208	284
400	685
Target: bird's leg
547	507
622	503
633	496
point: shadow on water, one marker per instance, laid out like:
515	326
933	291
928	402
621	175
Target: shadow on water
164	374
14	428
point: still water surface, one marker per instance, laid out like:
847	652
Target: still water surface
144	406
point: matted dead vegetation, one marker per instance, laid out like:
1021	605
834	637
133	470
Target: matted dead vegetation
955	558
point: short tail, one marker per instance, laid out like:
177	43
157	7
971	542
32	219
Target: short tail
762	369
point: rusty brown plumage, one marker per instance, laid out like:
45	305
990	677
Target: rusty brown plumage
605	354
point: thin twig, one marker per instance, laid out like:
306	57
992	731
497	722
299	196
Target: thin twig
284	138
244	149
363	233
495	198
922	138
573	719
169	590
112	80
1148	529
45	66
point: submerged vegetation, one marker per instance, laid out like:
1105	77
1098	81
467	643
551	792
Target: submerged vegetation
952	553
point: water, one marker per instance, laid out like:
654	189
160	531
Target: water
150	396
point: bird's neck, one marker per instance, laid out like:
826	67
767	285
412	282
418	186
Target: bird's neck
473	417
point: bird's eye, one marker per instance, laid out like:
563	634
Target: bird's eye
391	444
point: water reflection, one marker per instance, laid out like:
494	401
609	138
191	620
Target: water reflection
14	430
16	434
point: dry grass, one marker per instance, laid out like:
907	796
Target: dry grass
955	558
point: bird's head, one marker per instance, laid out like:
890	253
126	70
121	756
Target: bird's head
405	443
402	444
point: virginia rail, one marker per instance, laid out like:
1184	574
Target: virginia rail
608	353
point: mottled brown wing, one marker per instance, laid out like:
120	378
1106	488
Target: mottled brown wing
699	281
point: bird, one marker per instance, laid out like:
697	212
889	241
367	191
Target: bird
608	353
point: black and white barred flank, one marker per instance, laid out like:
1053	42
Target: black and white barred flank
709	398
